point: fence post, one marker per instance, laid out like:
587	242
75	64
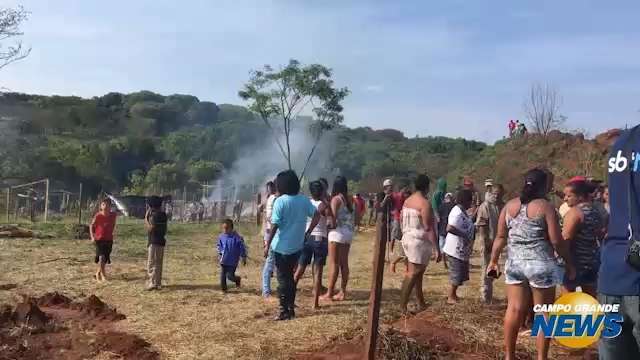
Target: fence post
80	206
8	203
46	200
376	281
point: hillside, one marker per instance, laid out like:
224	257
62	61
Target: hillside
145	142
566	155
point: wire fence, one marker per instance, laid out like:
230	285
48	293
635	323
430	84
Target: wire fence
39	202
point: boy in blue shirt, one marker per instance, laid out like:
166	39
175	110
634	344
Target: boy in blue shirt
230	249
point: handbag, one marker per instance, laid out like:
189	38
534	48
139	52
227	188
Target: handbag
633	252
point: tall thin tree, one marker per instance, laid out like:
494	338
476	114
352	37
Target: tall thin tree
281	96
542	108
10	21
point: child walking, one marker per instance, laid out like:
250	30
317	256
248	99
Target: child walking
101	231
230	249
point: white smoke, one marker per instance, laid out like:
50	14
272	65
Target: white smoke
257	164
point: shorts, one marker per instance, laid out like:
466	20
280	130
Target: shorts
316	248
540	274
396	230
584	277
341	235
103	248
458	270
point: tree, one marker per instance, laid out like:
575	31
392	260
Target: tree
542	108
202	171
165	176
283	95
10	21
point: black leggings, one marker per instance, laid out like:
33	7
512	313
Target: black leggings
285	265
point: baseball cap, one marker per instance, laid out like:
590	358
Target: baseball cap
387	182
488	182
577	179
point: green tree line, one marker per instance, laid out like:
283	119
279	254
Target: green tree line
146	142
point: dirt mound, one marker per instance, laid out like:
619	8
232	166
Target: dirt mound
97	308
566	155
59	328
54	299
14	231
8	286
420	337
28	313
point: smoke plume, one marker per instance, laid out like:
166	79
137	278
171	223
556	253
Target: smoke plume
259	163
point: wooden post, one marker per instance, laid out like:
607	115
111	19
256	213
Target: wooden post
8	203
376	282
80	206
46	200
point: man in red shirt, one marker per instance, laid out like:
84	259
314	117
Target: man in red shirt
101	230
397	201
358	200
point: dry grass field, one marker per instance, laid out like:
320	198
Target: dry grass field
190	318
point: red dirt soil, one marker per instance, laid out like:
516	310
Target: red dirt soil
429	332
55	327
426	329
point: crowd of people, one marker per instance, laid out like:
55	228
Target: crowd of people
517	128
579	246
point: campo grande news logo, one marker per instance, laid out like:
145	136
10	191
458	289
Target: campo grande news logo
577	320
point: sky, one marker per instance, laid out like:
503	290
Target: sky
456	68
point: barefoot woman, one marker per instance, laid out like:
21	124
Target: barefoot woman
529	228
340	239
418	241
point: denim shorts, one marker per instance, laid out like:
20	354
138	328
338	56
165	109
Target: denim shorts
458	270
315	250
541	274
396	230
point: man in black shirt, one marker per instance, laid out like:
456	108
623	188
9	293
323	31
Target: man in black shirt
155	222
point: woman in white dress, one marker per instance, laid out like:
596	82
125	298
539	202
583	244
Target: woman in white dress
418	241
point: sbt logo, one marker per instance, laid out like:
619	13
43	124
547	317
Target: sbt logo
620	163
577	320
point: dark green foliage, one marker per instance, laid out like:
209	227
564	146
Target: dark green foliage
145	142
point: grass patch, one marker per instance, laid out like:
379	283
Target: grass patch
192	319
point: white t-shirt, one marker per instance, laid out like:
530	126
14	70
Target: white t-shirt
268	211
457	246
321	229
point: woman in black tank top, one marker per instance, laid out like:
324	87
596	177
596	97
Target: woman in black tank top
583	227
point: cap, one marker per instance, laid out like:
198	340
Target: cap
577	179
387	182
488	182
